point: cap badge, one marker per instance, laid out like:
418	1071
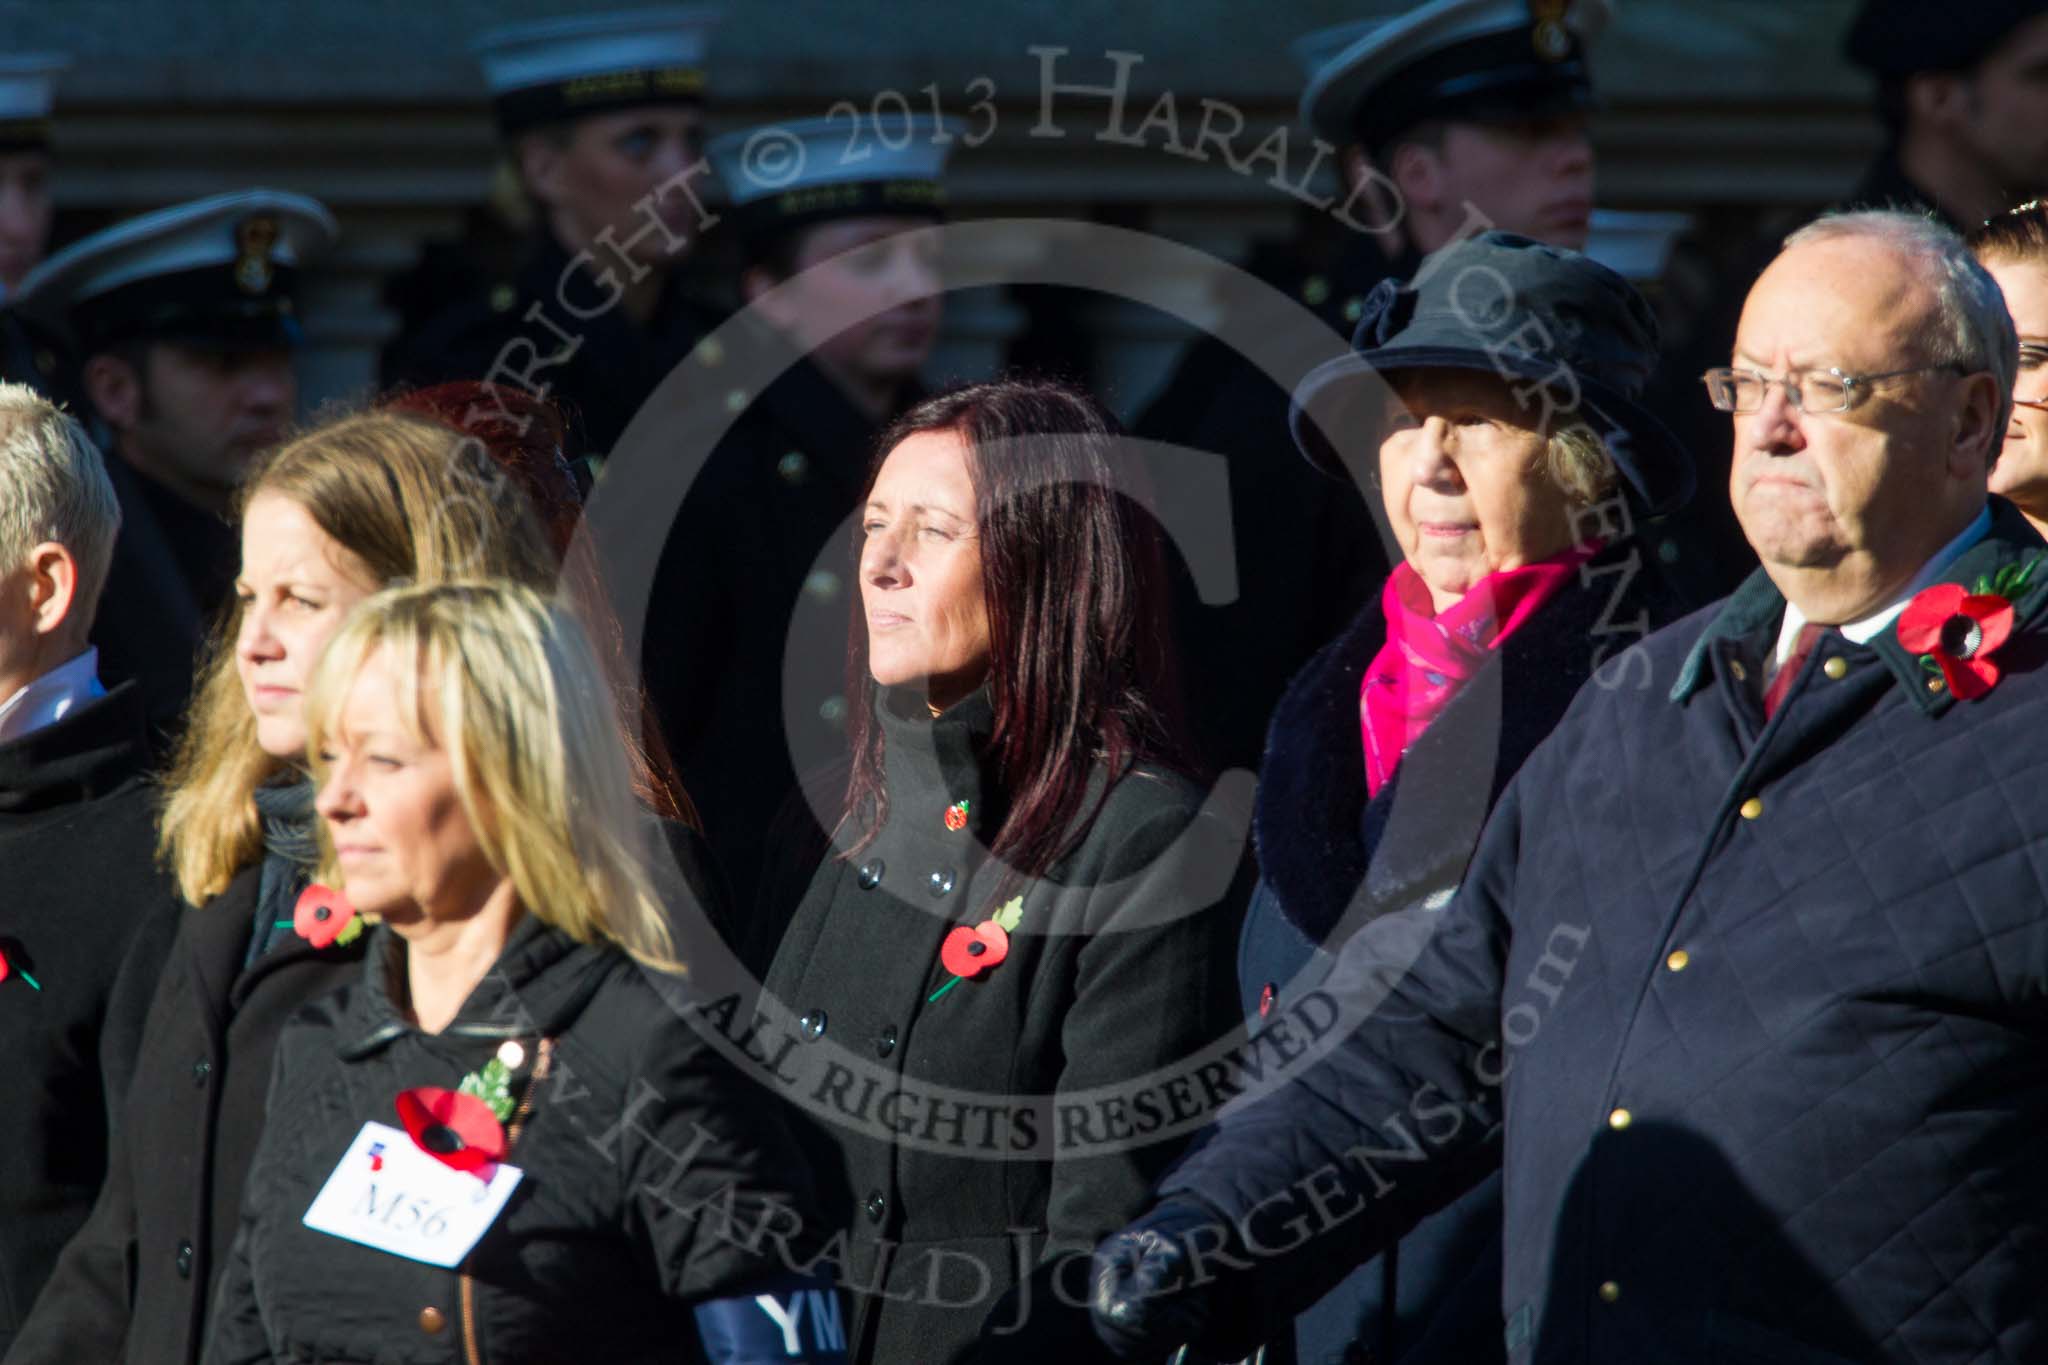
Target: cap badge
255	239
1548	37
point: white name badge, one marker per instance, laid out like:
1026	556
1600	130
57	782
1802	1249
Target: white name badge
388	1194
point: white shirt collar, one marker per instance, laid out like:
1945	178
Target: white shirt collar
1868	628
52	697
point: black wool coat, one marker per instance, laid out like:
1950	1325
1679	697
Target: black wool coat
967	1139
1325	847
1748	1009
77	875
656	1175
136	1283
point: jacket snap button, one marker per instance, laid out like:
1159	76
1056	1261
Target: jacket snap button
941	881
885	1042
870	875
1752	808
184	1260
201	1069
432	1320
877	1206
812	1026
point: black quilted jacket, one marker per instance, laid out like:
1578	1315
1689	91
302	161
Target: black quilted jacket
1752	1011
651	1168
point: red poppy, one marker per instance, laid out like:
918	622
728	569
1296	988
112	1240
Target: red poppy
1959	631
455	1129
321	914
5	966
956	816
970	952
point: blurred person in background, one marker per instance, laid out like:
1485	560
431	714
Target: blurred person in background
1963	94
184	322
602	118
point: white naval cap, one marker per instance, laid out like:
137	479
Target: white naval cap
219	270
1374	78
571	67
28	89
788	175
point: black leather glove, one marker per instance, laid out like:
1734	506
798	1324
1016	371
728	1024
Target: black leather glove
1143	1297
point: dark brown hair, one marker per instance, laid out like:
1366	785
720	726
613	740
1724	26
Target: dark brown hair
2018	234
1081	674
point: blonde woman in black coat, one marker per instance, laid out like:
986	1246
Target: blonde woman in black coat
522	1014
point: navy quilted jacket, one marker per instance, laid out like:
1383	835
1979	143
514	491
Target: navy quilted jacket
1752	1012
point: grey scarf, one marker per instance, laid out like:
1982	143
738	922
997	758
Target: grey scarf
291	849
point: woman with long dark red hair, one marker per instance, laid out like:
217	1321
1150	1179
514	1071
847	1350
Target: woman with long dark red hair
1022	920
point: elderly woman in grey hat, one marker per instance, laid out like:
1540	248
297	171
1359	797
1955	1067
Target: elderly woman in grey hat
1492	407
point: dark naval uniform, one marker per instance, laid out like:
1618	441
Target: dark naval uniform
1307	549
173	569
747	630
612	365
218	274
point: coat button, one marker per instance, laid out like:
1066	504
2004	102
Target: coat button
711	351
432	1320
201	1069
832	710
793	468
736	400
823	585
1620	1119
885	1041
184	1260
1678	960
512	1053
1610	1292
812	1026
503	296
1737	671
870	874
941	882
876	1206
1836	668
1752	808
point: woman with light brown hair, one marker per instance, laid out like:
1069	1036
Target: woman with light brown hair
332	517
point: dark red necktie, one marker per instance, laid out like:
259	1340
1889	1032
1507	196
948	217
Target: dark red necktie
1802	649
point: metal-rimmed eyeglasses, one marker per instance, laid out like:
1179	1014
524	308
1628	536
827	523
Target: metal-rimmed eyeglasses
1810	391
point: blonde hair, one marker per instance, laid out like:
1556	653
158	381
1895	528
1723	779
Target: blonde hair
509	687
411	499
57	490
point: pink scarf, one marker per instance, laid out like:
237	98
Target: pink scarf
1428	657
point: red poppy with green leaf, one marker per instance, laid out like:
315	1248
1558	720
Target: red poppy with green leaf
1955	631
